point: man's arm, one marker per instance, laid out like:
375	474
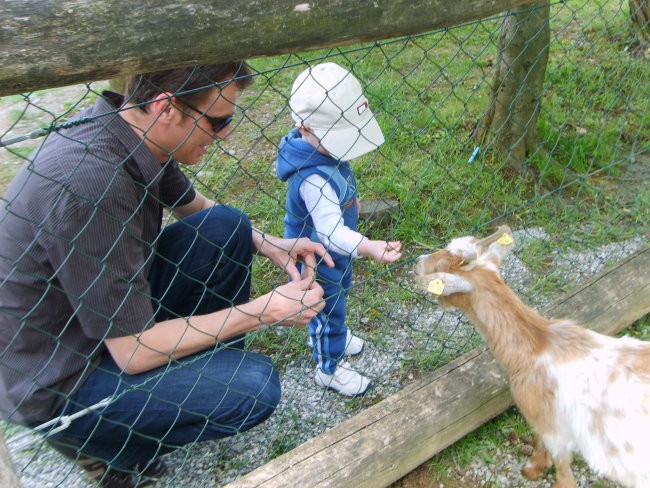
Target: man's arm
284	253
200	202
293	305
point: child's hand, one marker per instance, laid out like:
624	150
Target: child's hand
381	251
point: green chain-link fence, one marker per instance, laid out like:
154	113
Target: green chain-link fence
577	197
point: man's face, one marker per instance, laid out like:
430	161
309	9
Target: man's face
194	132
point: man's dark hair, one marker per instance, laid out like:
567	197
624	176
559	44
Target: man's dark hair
190	83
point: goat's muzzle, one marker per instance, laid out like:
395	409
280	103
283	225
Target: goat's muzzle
419	268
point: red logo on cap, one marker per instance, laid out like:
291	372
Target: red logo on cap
362	108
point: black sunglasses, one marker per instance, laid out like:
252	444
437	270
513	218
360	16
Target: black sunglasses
218	123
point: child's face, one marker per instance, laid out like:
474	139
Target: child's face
310	137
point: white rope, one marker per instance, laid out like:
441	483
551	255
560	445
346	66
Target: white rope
25	440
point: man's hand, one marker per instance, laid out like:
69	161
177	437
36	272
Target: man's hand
285	253
293	304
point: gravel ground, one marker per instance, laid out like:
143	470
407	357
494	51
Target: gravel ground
306	411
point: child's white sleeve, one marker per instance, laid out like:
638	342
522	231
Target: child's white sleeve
323	205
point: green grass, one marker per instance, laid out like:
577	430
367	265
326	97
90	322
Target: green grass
7	172
427	92
640	329
481	444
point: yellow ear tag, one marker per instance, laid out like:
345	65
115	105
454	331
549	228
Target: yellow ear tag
505	240
436	286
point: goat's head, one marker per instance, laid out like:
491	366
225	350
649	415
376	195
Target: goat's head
454	269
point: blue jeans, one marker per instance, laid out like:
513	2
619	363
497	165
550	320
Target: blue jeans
328	329
203	264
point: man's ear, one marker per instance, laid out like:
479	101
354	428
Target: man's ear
162	106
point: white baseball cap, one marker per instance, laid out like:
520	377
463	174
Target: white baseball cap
328	100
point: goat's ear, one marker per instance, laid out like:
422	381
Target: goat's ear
500	244
501	247
444	284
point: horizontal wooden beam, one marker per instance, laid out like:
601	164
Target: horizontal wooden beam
49	43
388	440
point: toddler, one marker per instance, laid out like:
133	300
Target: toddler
334	125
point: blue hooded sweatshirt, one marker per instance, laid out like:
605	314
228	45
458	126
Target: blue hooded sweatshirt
297	159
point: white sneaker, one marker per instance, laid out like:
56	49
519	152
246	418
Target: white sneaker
353	344
345	380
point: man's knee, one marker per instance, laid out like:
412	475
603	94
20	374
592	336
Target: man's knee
264	381
258	383
228	224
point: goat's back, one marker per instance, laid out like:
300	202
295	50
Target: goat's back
602	404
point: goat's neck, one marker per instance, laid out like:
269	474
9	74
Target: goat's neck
515	332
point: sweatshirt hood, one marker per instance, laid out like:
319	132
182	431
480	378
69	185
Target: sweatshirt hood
295	154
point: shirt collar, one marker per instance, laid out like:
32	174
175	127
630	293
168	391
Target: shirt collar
108	105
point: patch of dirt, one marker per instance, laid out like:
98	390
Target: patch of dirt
421	477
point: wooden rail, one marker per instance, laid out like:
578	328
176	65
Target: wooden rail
390	439
49	43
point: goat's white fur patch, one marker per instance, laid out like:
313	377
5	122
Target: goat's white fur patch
602	414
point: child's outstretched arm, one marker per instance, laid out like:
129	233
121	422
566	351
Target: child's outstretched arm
322	203
380	251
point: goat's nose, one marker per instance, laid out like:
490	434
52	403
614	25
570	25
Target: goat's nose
418	267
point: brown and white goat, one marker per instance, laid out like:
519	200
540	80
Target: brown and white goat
580	391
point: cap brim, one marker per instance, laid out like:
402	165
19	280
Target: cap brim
350	142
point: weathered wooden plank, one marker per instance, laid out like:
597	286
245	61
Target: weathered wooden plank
48	43
612	300
361	451
388	440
